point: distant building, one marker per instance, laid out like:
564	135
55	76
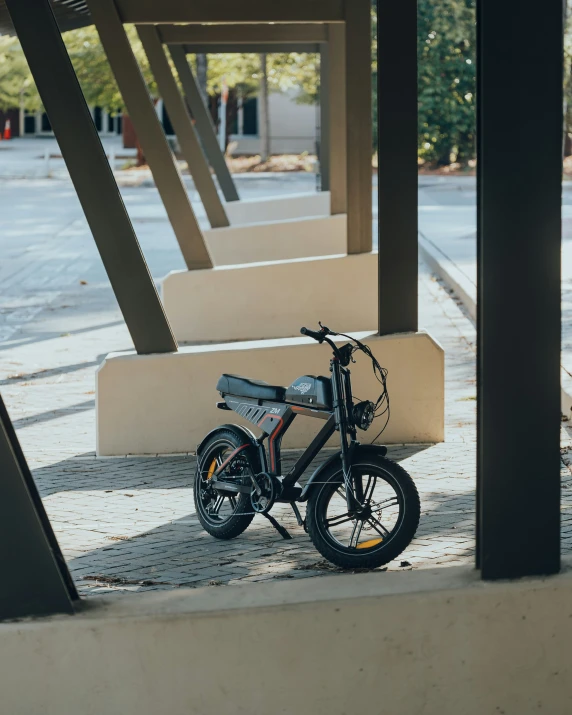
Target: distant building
293	127
38	124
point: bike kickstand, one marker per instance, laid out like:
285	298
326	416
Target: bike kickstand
279	528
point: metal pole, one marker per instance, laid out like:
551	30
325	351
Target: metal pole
397	165
359	124
150	133
203	122
183	126
91	175
35	578
518	437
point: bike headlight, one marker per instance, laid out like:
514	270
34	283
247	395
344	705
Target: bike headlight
364	412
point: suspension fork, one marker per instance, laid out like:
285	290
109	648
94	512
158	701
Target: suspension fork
341	393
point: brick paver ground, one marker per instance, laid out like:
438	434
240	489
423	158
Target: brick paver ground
128	524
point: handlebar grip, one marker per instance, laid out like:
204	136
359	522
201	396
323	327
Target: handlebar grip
313	334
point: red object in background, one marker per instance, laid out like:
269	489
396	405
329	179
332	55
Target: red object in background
129	136
7	130
13	116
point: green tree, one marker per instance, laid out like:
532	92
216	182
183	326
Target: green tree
17	88
446	54
94	72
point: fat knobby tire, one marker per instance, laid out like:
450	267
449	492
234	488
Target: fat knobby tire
398	541
238	523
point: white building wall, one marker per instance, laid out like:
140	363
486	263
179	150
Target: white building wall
292	128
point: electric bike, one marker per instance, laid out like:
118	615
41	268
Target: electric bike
362	509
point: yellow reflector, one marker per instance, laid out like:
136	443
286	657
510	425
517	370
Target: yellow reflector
369	544
211	469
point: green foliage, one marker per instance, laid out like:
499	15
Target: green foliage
298	71
17	87
93	70
447	68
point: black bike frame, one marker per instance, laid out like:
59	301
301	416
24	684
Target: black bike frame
275	418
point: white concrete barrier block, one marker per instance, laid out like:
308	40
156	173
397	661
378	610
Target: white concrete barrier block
437	642
273	299
159	404
278	208
278	240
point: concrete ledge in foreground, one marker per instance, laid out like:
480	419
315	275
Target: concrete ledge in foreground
437	642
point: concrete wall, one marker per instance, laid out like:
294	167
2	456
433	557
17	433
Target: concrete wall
292	127
159	404
273	299
278	240
431	642
278	208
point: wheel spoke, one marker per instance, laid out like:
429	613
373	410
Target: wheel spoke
232	501
393	501
368	493
339	519
214	510
380	528
356	533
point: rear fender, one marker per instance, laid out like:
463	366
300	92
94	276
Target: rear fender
361	450
241	432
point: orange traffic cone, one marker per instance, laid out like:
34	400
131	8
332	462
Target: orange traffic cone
7	130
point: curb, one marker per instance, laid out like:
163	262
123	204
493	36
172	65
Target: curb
456	281
450	274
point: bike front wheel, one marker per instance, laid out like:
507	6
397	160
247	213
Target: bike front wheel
375	533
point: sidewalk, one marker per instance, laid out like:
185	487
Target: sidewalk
447	243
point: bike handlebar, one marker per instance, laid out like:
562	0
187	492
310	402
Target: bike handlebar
319	335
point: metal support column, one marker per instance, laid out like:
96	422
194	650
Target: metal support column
204	123
150	133
518	436
92	177
338	117
397	165
35	578
183	126
359	124
324	152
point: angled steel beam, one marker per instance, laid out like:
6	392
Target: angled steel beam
183	126
35	577
519	262
204	123
150	133
92	177
243	34
397	165
359	124
168	12
254	48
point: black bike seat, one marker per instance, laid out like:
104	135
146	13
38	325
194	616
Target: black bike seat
255	389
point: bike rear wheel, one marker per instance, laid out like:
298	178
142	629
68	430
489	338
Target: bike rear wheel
376	533
224	516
